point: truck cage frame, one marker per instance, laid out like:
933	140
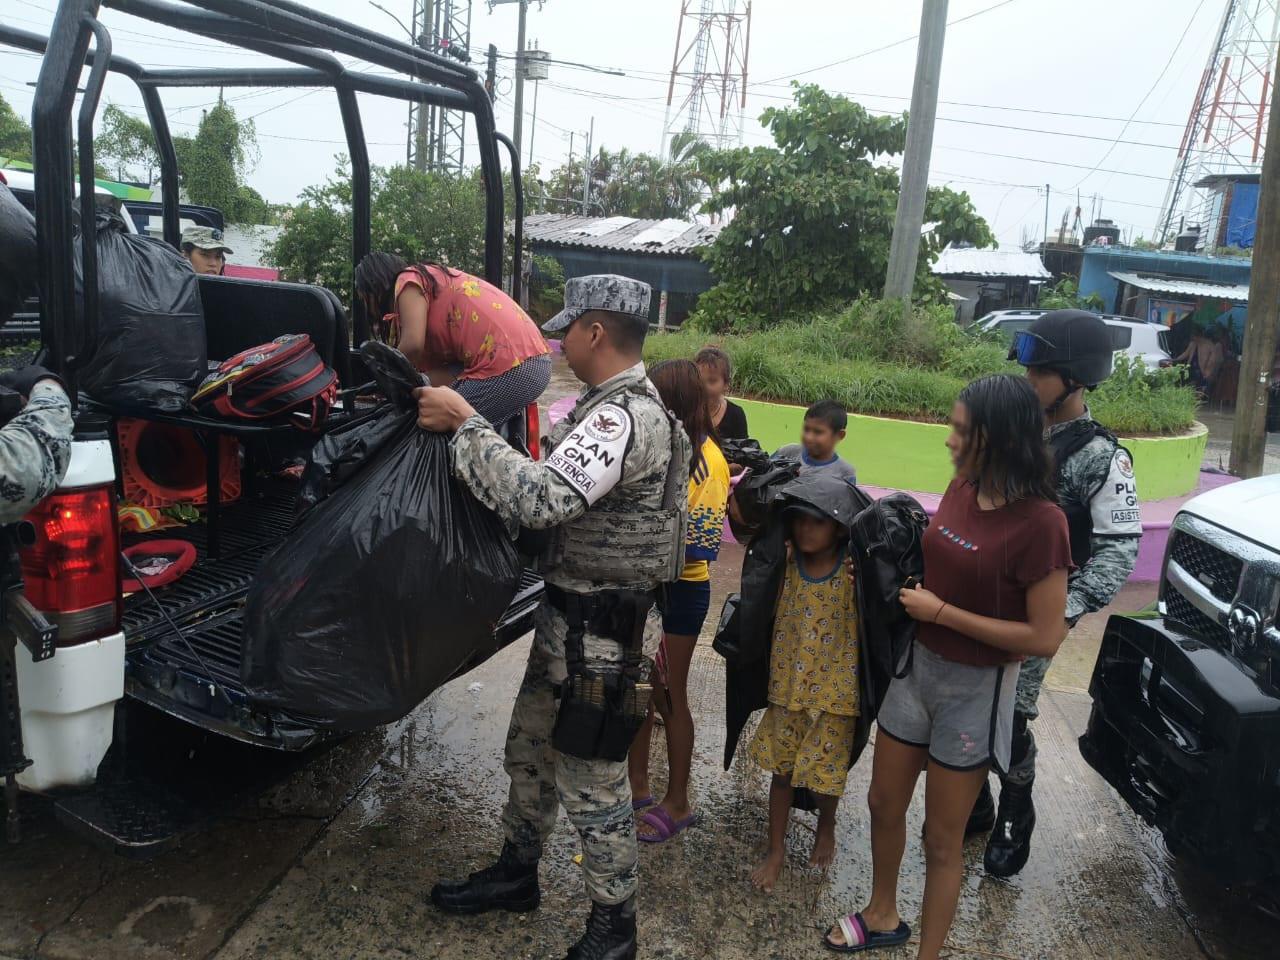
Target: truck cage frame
281	29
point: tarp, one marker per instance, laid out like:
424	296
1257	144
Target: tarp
1242	218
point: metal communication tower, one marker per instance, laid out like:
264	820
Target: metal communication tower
437	136
714	62
1226	132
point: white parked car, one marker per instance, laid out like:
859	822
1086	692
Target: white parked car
1131	336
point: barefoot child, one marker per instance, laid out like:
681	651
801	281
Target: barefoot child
806	737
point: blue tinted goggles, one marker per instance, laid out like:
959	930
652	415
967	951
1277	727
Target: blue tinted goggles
1030	349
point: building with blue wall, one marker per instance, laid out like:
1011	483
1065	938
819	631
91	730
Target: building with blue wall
1163	286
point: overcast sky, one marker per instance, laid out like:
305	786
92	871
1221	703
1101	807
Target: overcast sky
1034	92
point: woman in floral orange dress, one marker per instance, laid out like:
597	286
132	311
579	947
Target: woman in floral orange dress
458	329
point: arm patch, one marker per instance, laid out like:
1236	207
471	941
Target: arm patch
590	458
1115	506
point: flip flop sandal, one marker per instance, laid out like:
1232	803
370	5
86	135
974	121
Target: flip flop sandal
858	937
658	818
643	803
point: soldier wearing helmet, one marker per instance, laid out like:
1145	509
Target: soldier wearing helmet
1066	353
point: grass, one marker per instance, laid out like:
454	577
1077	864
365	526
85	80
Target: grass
875	360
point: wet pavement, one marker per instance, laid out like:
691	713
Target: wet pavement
335	860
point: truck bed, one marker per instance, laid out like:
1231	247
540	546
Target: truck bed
197	676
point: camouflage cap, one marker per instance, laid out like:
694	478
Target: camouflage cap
206	238
602	291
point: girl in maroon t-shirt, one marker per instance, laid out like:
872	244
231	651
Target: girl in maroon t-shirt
996	558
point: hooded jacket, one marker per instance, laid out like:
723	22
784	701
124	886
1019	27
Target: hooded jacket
745	634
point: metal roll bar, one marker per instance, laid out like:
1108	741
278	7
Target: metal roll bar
280	29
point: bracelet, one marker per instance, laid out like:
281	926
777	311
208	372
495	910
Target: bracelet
939	613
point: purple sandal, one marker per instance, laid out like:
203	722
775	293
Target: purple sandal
642	803
658	818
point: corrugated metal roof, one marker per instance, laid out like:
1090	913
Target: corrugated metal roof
1236	292
972	261
620	234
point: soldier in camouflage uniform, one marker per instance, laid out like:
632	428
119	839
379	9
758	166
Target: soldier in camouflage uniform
612	484
1066	352
35	445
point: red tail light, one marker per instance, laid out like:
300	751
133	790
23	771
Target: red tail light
72	573
533	431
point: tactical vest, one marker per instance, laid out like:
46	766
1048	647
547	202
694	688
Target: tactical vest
1065	444
625	546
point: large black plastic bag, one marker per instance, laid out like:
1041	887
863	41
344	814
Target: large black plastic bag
388	586
149	352
18	267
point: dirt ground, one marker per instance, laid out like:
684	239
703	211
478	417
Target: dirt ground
335	861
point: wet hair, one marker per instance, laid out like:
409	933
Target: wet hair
830	412
376	275
1007	451
681	390
718	360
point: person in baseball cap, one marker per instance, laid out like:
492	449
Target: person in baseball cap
604	315
206	249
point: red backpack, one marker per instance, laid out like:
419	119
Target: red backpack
270	381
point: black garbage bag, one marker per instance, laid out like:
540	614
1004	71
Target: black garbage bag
18	267
149	349
391	583
757	489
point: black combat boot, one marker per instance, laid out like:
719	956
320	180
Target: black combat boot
1010	842
983	817
507	885
611	933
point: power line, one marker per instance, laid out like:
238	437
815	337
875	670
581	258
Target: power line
1052	163
1168	63
887	46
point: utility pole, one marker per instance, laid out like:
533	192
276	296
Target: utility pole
421	130
586	170
491	73
1046	213
522	62
533	127
517	127
904	249
1249	428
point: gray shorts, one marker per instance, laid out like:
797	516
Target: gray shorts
961	714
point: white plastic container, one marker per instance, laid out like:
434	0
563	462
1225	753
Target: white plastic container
68	711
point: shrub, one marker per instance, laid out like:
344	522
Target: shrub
876	359
1137	400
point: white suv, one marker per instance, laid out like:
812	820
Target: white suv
1136	338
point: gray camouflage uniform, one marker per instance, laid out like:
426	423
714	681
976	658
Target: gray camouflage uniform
596	794
35	449
1100	477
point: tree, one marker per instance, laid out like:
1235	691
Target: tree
1065	295
420	216
15	134
813	215
634	185
214	163
127	146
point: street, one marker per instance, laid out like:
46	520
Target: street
335	861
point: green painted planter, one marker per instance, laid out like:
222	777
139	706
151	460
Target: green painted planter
908	455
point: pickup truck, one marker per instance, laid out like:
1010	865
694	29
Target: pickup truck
1186	706
179	651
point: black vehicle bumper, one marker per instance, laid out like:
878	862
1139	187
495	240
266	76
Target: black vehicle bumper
1192	742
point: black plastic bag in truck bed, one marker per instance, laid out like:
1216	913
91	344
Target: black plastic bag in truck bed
197	677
